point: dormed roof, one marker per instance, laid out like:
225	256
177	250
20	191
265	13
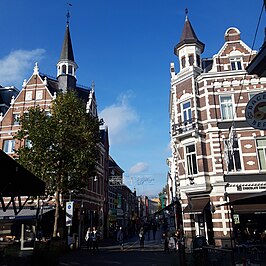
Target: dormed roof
189	36
52	85
67	51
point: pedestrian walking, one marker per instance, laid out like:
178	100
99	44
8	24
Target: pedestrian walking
166	242
120	237
154	229
141	237
95	236
88	239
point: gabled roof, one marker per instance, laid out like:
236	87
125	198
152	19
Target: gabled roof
189	36
67	51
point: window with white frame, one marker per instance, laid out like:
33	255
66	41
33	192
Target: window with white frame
39	95
186	112
226	104
15	119
236	63
9	145
232	155
191	160
261	151
28	96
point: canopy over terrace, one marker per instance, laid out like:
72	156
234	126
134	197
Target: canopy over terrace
15	182
253	199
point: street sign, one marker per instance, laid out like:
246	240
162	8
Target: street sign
69	213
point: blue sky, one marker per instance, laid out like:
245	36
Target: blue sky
125	47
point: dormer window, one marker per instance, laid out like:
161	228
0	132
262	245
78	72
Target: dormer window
236	63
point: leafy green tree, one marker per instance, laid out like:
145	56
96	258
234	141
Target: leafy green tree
60	146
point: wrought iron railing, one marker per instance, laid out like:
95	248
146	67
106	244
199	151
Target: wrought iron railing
184	127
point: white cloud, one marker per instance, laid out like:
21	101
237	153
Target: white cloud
15	66
119	117
138	168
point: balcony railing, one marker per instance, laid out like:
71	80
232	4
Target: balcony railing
184	127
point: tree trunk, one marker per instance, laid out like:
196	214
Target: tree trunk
56	216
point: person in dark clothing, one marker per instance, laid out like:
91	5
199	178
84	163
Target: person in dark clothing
88	238
141	237
120	237
95	236
154	229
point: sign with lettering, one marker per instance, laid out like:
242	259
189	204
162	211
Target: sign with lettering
256	111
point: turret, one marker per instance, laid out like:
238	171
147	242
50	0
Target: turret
66	66
189	48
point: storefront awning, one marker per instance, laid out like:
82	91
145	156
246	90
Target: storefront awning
197	205
248	202
167	208
24	214
16	181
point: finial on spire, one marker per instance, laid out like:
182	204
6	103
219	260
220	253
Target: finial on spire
68	13
186	12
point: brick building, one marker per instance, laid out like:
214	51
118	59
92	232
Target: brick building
216	155
90	207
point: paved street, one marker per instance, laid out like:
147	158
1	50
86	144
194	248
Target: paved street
111	254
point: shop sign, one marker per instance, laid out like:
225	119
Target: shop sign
256	111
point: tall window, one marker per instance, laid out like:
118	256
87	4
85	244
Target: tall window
191	59
236	63
183	61
9	146
232	155
226	107
15	119
187	113
191	160
261	150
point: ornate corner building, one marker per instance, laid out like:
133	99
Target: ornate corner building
216	155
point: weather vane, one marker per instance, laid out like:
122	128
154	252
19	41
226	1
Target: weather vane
68	13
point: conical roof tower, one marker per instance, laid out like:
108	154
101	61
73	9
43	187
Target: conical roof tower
66	66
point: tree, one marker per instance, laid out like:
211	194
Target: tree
60	146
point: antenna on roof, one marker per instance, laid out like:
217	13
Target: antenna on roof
68	13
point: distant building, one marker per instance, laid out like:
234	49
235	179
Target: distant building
216	155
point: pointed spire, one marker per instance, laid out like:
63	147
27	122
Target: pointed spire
67	51
188	35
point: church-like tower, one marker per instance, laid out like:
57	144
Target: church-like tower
66	66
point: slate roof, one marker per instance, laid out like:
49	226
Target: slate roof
189	36
52	85
67	51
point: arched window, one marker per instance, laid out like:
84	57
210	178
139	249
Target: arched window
64	69
70	68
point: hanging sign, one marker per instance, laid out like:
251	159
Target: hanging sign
256	111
